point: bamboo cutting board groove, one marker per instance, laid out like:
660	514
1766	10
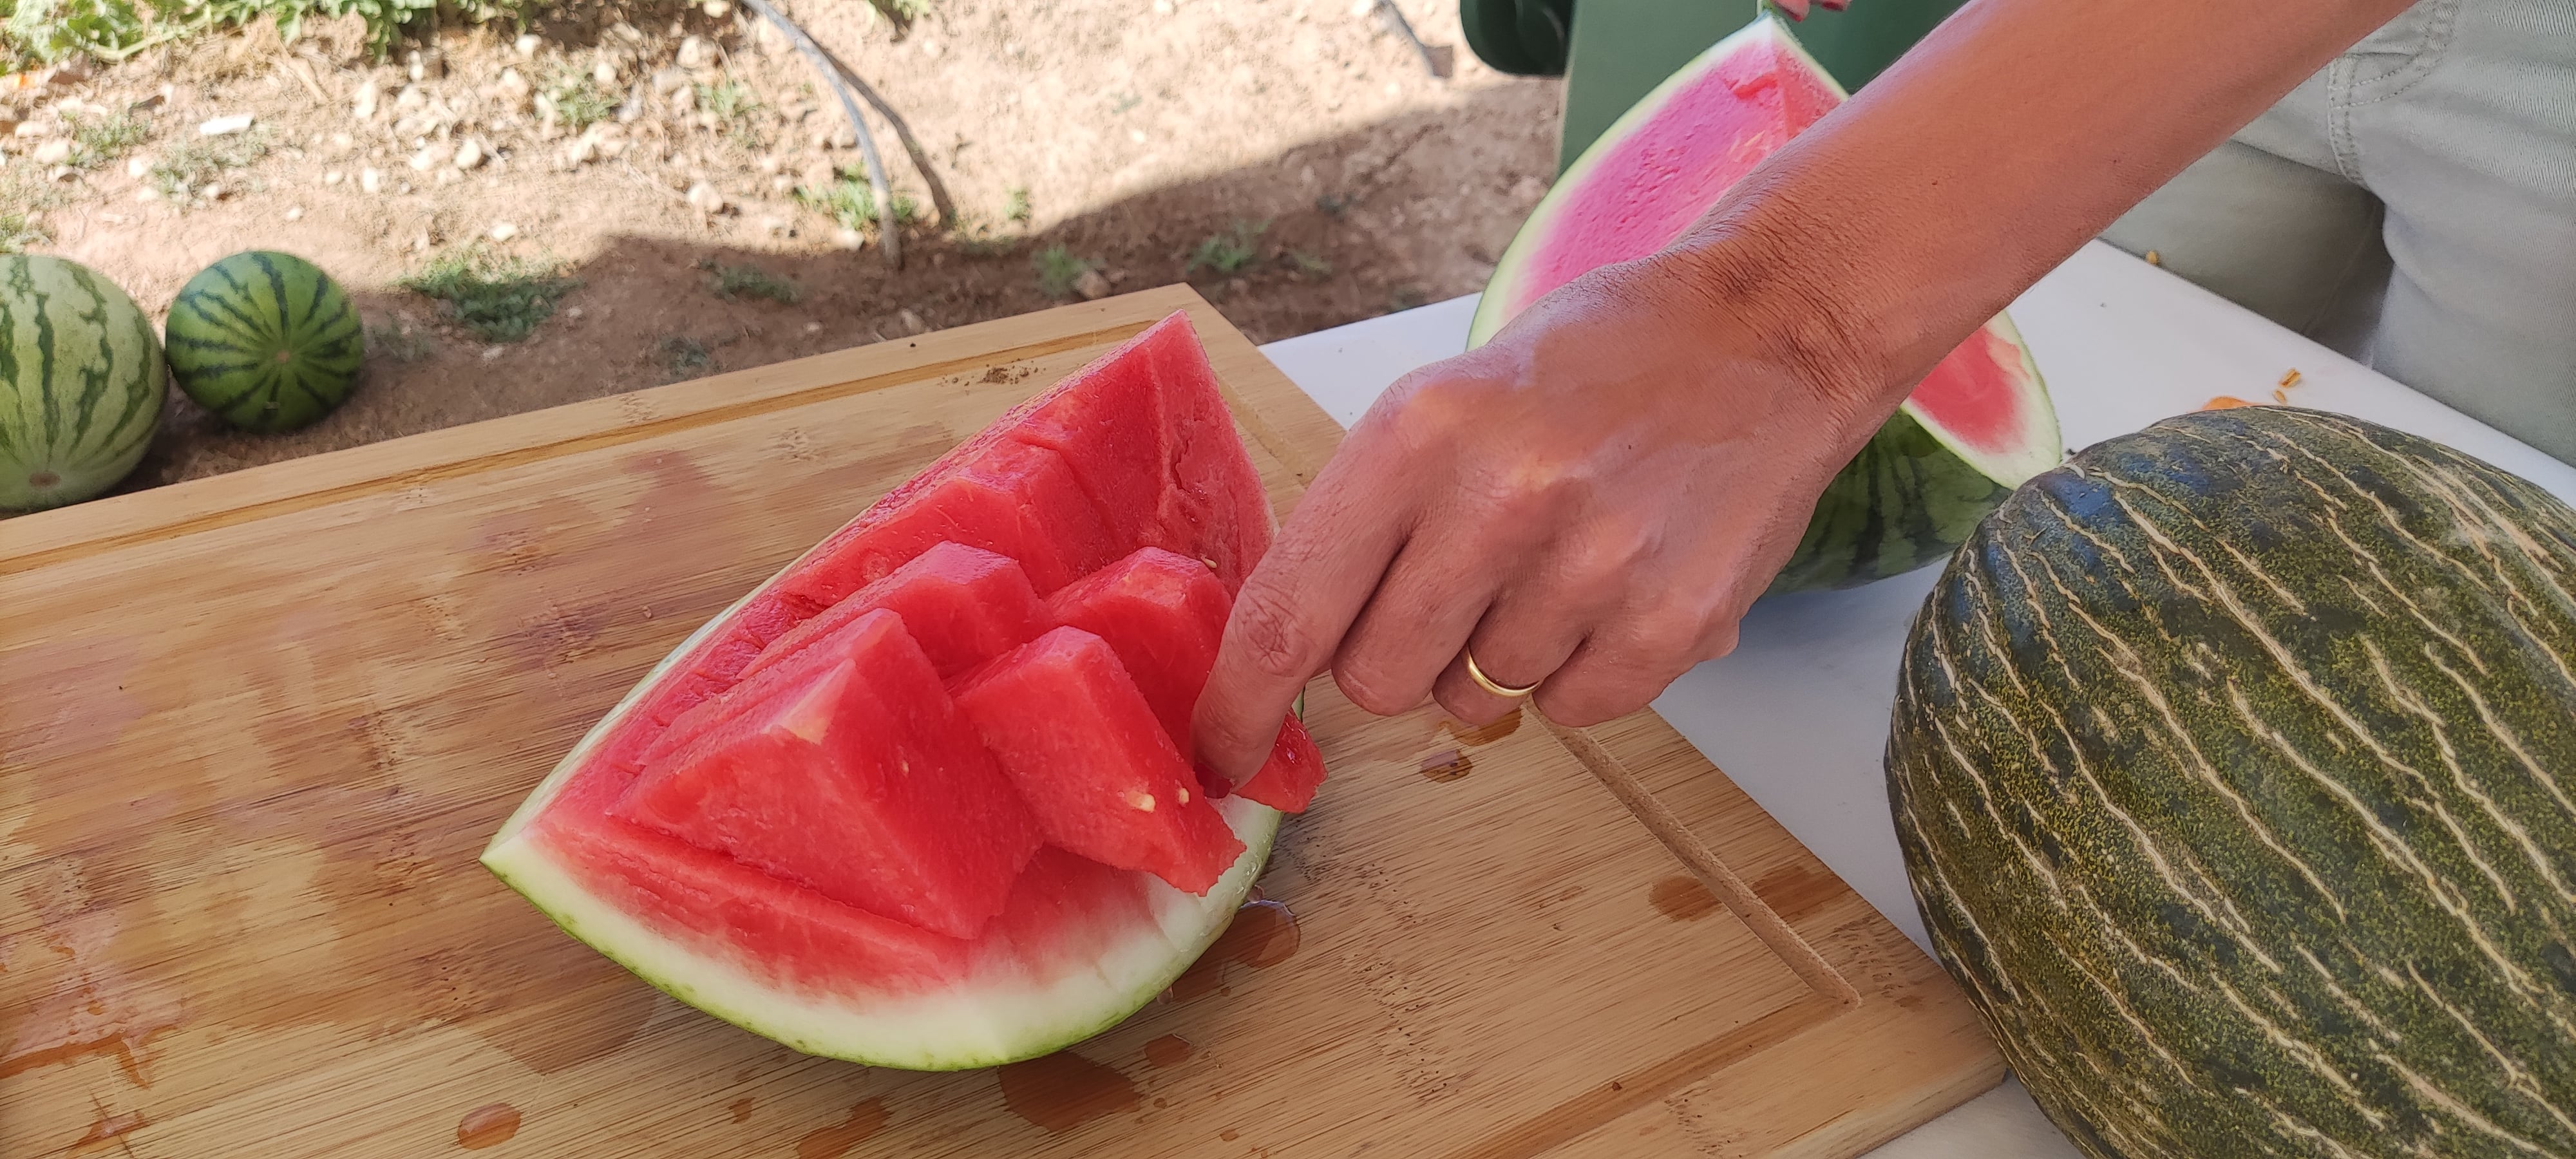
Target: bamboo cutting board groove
256	728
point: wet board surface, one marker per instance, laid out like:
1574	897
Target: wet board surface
256	728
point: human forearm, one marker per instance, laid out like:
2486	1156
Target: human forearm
2019	129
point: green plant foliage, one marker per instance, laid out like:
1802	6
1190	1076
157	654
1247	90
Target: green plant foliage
498	298
1058	270
731	282
849	201
1229	251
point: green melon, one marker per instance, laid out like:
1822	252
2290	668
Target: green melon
2234	764
266	340
80	383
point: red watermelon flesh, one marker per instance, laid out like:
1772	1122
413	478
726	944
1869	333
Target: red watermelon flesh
1164	616
1077	945
1288	780
854	775
1016	499
1096	767
963	605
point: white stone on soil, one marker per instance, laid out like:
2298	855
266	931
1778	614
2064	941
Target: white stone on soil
370	180
526	45
504	231
225	125
52	153
695	53
706	198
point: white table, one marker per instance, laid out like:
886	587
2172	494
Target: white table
1798	714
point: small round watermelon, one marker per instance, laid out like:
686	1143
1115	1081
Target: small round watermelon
266	340
80	382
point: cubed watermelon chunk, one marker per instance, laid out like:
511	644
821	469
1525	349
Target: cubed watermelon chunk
963	605
1076	737
1164	616
850	773
1287	781
1016	499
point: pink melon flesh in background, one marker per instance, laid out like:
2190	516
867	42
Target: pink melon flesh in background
1650	186
1164	616
853	774
1095	766
963	605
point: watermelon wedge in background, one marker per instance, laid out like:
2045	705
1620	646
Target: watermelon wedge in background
1975	428
852	813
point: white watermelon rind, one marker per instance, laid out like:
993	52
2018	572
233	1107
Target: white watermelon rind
981	1023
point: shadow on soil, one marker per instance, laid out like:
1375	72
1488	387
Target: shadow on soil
1326	243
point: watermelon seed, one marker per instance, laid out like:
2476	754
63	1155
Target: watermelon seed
1184	796
1141	802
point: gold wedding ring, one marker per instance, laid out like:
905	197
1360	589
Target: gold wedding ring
1488	683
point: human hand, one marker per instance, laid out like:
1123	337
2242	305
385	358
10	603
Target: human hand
1587	504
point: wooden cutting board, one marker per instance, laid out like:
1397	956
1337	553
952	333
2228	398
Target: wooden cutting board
255	729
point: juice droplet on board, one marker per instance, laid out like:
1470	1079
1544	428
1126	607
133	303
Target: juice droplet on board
741	1109
1063	1090
1682	898
1263	935
835	1141
488	1125
1483	733
1169	1050
1447	765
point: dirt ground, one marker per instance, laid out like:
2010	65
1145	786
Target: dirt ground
1128	131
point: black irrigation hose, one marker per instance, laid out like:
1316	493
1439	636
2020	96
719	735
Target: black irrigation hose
889	235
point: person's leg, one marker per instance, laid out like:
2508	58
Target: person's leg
2475	157
2293	243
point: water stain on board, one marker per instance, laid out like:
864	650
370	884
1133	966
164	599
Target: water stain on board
93	1007
1263	934
1168	1051
1064	1090
489	1125
741	1109
1447	765
109	1127
1794	891
866	1118
1682	898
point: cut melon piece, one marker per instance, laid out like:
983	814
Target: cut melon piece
853	775
1095	766
1164	616
1288	780
1077	945
963	605
1974	429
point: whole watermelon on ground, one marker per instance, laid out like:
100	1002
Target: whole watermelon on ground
80	383
1977	426
854	814
2235	768
266	340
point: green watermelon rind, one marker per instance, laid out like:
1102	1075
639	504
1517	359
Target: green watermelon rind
1856	499
87	457
232	321
1046	1022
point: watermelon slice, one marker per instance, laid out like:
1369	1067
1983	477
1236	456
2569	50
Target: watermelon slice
743	830
1974	429
1288	780
1097	767
1164	616
962	604
853	775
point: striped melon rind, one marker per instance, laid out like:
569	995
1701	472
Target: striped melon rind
266	340
985	1021
2234	765
80	383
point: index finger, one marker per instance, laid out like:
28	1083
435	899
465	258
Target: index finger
1299	600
